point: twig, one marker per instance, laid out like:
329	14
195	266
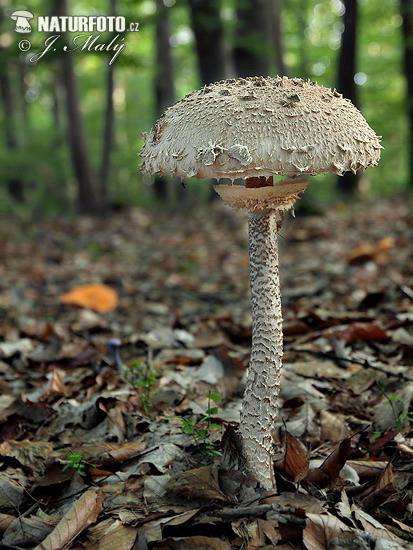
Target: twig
364	363
275	510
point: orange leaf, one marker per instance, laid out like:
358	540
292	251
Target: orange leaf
365	252
362	331
100	298
294	464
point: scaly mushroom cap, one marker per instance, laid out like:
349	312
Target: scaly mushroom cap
249	127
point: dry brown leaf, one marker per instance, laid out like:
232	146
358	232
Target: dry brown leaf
362	331
367	470
32	454
269	529
153	529
329	471
56	384
383	488
386	477
5	520
320	529
201	483
105	454
297	500
111	534
100	298
365	252
12	484
256	532
84	512
378	497
294	464
333	427
193	543
373	527
26	532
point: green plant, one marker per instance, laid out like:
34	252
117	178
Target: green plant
76	461
399	418
200	430
142	376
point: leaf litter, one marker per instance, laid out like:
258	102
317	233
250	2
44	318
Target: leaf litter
114	332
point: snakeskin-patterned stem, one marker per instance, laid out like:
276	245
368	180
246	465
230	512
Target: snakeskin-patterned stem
259	407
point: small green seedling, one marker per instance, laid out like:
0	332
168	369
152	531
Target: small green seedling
399	418
200	430
142	376
76	461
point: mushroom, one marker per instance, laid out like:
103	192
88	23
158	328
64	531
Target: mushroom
22	18
253	128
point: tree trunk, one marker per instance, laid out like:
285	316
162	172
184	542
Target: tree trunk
164	80
277	35
210	45
109	128
209	39
302	18
253	44
76	133
347	184
406	7
15	184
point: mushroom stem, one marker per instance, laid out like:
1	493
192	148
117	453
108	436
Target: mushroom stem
259	407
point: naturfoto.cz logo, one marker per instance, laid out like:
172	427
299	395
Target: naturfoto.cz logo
74	24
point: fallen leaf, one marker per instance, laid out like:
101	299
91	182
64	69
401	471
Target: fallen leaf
368	470
110	535
294	464
362	331
32	454
365	252
12	484
84	512
5	520
303	422
384	487
329	470
8	349
57	385
100	298
201	483
373	527
333	428
193	543
24	532
297	500
320	529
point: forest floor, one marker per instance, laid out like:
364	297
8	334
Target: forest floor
107	447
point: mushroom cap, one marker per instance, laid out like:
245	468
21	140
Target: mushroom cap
21	13
256	126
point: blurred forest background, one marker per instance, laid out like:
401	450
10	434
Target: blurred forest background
71	124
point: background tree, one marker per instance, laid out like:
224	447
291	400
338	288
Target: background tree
15	183
164	85
109	127
253	49
406	7
86	180
347	61
277	35
209	39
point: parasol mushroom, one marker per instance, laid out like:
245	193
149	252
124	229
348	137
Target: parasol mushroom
252	128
